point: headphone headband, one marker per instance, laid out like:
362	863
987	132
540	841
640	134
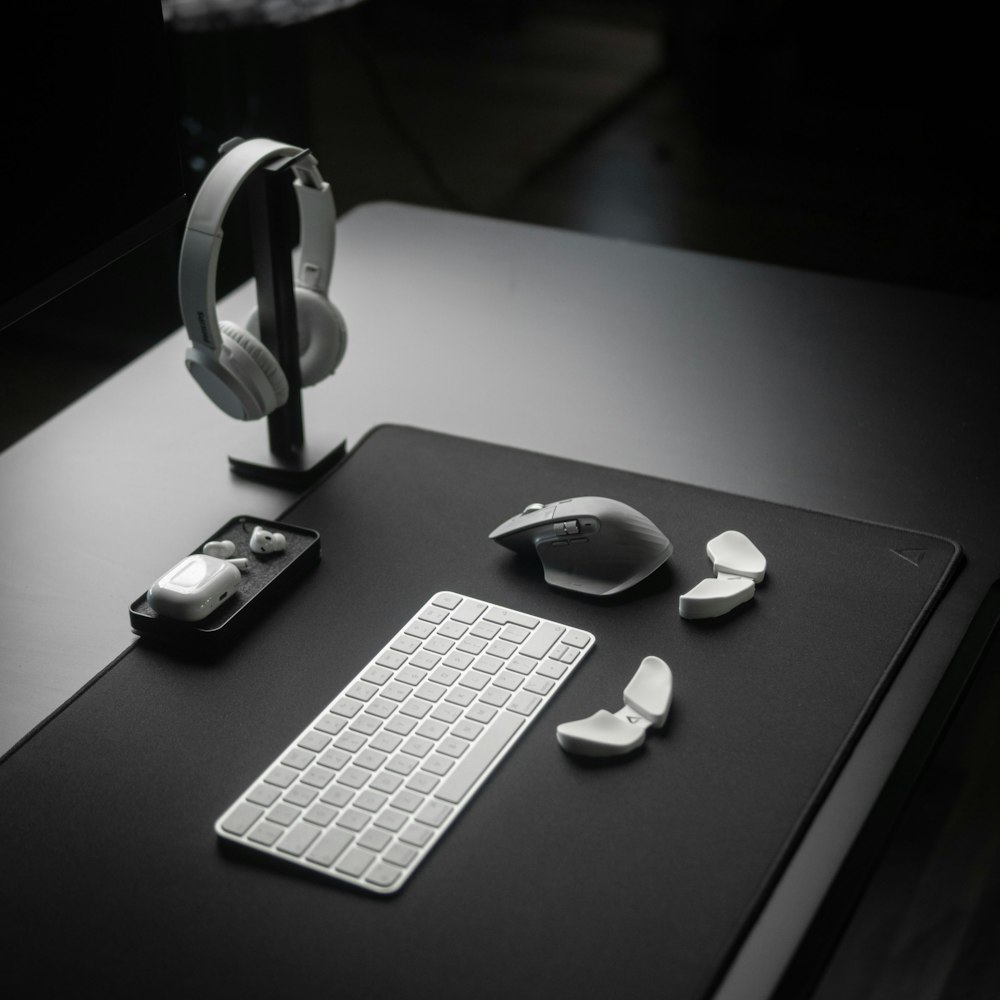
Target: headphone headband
203	234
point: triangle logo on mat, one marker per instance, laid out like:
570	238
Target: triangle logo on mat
913	556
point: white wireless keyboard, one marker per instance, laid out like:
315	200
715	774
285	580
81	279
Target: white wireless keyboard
372	783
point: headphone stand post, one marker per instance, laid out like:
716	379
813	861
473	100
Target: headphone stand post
287	461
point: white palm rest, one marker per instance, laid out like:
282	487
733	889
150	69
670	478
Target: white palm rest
606	734
739	566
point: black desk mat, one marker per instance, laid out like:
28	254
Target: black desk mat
564	876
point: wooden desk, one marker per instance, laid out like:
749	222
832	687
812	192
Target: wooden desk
815	391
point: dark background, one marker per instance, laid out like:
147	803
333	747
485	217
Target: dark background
848	138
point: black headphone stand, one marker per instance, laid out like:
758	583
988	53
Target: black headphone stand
288	460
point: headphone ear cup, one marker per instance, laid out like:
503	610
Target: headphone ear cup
322	334
255	367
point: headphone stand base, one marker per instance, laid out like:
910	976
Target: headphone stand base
295	471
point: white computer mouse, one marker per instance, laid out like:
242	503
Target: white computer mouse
591	545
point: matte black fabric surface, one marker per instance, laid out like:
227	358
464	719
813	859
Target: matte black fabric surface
564	876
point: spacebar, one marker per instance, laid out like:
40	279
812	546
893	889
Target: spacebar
479	758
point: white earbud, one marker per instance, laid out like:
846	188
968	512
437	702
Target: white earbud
262	540
221	550
241	563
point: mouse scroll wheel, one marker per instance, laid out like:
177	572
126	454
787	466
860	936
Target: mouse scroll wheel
566	527
532	507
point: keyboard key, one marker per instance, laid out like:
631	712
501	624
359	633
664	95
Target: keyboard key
425	660
405	644
434	814
386	782
422	782
265	833
416	708
263	795
524	703
515	633
334	758
353	819
320	814
539	685
400	854
361	690
466	729
386	742
281	776
391	820
437	764
434	615
461	696
331	724
495	696
300	795
329	847
376	674
383	875
416	835
457	660
349	742
353	777
452	630
317	777
366	724
553	669
241	819
541	640
439	644
370	801
468	611
480	713
501	648
419	628
446	713
431	729
298	839
453	747
407	801
474	679
284	814
374	840
314	741
337	796
347	707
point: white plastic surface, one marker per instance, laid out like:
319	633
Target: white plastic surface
194	588
602	734
716	596
220	549
647	699
373	782
264	540
733	552
650	690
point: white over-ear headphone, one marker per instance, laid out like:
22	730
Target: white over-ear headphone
238	373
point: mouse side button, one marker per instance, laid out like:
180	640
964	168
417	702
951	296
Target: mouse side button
733	552
715	597
650	690
602	734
